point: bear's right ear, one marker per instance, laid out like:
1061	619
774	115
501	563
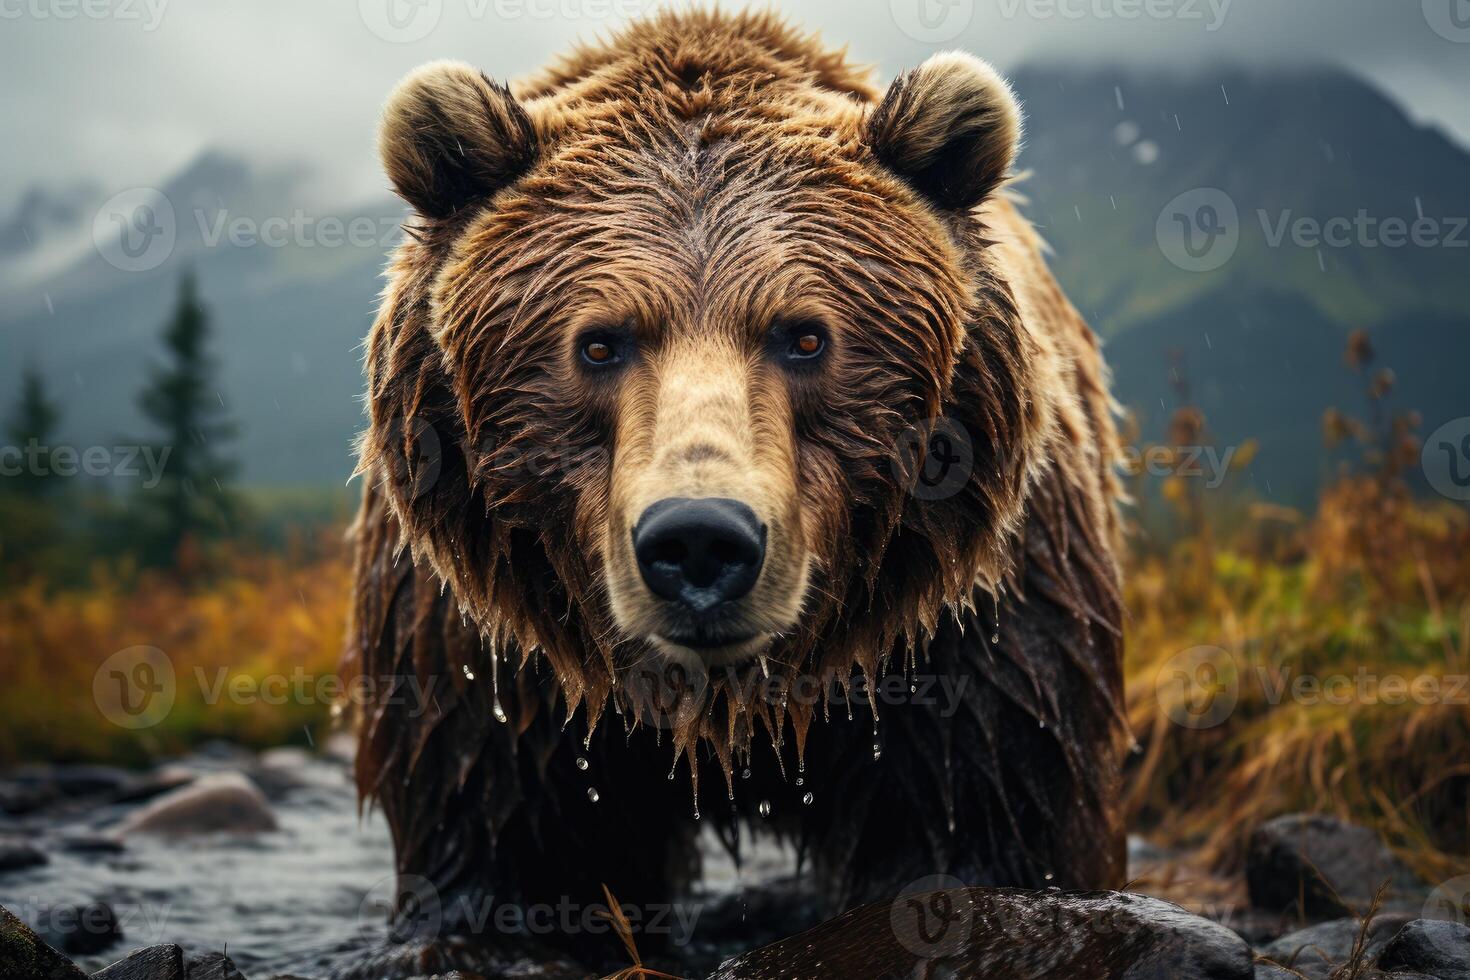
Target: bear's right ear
950	128
450	137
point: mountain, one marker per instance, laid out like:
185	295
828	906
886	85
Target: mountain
290	288
1113	156
1110	150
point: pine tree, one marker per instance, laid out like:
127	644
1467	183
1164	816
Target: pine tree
31	433
192	502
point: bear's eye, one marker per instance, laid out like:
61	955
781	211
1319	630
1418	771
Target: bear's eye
799	343
602	348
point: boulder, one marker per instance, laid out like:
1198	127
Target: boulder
224	802
1006	933
79	930
1319	867
1438	948
211	966
23	956
1319	949
153	963
16	855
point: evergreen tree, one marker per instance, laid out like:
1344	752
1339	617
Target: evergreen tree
31	431
192	502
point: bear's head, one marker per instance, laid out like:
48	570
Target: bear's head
700	359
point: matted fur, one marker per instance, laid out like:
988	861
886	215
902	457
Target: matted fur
701	175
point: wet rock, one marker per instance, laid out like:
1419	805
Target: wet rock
340	747
1319	949
211	966
79	930
149	785
23	956
153	963
1006	933
1322	868
224	802
85	843
16	855
1270	971
1440	949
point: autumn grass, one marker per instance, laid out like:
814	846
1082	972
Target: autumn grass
262	616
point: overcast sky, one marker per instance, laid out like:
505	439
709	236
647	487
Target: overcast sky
124	92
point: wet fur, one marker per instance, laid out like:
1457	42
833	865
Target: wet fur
468	562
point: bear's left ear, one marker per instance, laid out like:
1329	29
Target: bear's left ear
950	128
451	137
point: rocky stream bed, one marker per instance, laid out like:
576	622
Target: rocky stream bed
230	864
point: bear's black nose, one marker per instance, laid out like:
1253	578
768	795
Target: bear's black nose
699	552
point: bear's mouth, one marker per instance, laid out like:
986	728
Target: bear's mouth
710	648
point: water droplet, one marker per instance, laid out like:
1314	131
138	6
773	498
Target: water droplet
582	763
1041	722
745	774
469	675
499	713
671	777
592	794
807	799
1048	876
765	808
799	780
730	794
877	751
994	638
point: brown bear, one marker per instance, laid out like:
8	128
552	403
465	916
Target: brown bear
713	386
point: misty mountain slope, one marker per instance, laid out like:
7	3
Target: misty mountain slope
1262	332
1108	150
289	312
